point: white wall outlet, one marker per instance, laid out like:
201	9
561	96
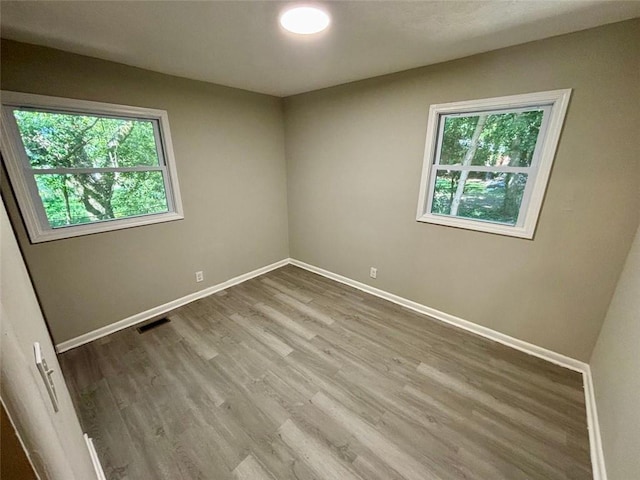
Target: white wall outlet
373	273
199	276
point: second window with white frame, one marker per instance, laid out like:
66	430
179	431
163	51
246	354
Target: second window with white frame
487	162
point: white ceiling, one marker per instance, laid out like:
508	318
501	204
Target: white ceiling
240	44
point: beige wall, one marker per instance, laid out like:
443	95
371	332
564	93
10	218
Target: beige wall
615	366
229	151
354	157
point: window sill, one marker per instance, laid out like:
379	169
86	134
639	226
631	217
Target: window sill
101	227
479	226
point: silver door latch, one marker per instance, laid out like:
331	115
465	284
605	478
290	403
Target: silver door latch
45	373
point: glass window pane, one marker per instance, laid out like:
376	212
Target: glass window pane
87	198
493	197
67	140
491	139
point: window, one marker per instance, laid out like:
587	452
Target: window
487	162
81	167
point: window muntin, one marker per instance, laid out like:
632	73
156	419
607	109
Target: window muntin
85	167
487	162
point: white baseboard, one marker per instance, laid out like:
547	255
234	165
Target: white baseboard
94	458
494	335
597	456
595	440
165	308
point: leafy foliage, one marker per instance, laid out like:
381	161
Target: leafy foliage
506	139
484	196
80	143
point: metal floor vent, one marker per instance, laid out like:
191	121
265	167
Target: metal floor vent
156	323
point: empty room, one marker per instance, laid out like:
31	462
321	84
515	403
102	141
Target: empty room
336	240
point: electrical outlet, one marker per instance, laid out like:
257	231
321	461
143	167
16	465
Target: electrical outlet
199	276
373	273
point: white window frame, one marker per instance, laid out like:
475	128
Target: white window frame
23	180
554	103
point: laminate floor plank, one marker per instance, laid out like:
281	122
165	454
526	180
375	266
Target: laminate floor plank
197	338
306	309
262	335
379	444
250	469
293	376
315	454
286	322
288	288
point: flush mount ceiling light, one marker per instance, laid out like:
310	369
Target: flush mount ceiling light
304	20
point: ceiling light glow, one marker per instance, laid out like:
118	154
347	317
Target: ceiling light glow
305	20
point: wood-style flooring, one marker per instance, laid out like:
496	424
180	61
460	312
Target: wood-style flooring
294	376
